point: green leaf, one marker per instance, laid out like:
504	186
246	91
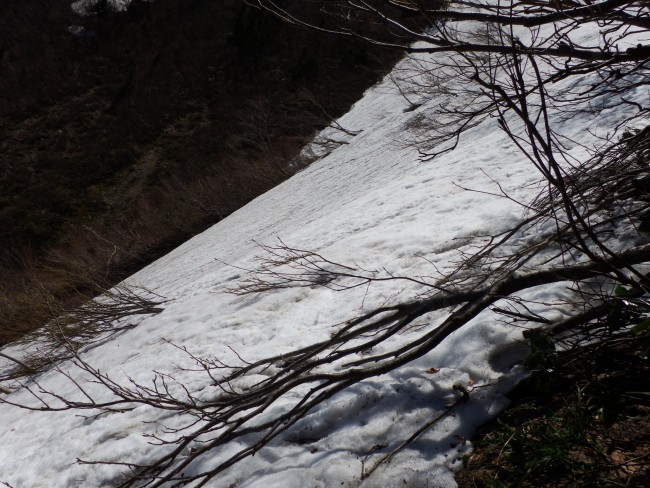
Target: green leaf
641	393
640	327
542	348
621	291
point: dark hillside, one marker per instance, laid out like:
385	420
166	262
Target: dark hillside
124	133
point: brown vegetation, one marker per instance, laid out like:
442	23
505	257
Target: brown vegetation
122	134
581	420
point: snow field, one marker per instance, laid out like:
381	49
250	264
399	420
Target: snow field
370	203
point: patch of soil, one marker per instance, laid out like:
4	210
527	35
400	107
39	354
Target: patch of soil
582	422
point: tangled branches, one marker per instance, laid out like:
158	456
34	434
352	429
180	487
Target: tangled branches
242	410
567	234
85	321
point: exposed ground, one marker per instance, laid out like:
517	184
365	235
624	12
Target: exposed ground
124	134
581	420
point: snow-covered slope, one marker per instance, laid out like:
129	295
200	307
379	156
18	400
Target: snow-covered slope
371	203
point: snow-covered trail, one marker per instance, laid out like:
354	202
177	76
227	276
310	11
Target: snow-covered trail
370	202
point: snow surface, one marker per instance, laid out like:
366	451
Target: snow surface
370	203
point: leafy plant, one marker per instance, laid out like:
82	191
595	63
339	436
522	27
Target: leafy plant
542	350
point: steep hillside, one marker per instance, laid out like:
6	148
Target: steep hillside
124	133
373	207
480	212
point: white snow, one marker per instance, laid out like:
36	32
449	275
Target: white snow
370	203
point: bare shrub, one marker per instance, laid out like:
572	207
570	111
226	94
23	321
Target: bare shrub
565	235
43	329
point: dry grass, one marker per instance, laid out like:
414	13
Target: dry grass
582	422
46	325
